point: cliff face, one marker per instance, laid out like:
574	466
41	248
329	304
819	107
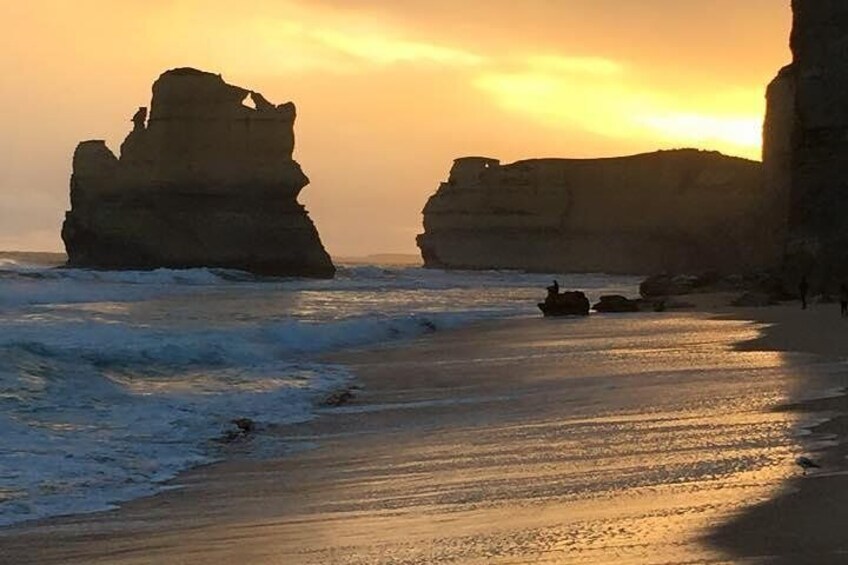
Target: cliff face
805	148
670	211
207	181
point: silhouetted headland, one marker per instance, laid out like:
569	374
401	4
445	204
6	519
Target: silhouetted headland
208	180
669	211
805	154
806	144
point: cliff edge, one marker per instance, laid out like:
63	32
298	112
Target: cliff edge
805	149
207	180
680	211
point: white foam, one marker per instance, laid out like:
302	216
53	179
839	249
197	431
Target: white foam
112	382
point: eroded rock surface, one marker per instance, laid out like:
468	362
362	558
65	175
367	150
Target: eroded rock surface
671	211
568	303
207	180
805	149
615	303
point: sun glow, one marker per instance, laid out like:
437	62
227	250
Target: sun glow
741	135
386	50
572	92
603	98
388	92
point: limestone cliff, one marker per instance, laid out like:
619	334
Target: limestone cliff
805	148
207	181
669	211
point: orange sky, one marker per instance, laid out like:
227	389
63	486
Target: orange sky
388	92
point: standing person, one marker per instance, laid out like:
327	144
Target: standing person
553	291
803	288
843	299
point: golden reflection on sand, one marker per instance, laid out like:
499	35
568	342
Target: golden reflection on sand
606	440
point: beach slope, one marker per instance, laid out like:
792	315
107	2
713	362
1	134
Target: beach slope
601	440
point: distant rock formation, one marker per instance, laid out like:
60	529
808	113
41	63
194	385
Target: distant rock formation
207	181
679	211
805	149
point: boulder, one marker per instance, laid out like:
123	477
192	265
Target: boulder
616	304
657	286
207	180
339	398
568	303
246	425
244	429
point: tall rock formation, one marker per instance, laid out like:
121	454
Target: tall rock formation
677	211
805	149
207	181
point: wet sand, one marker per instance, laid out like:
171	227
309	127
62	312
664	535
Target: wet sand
808	523
622	439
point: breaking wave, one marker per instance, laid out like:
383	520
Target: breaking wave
113	382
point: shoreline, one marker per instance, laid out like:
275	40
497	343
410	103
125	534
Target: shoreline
805	523
248	482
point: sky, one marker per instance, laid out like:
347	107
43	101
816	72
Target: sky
388	92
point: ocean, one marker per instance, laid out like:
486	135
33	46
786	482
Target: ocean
111	383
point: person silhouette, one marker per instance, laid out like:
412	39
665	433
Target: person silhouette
803	289
553	291
843	299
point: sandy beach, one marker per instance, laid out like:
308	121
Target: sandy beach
806	524
648	438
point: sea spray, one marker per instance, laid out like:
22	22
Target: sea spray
113	382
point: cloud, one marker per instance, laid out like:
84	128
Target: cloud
575	65
296	37
383	49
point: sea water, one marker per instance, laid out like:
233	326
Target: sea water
113	382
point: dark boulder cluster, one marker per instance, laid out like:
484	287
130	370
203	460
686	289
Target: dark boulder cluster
768	283
339	398
575	303
568	303
616	304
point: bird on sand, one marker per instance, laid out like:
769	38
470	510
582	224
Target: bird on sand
806	463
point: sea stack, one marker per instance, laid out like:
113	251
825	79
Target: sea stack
206	179
805	150
681	211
